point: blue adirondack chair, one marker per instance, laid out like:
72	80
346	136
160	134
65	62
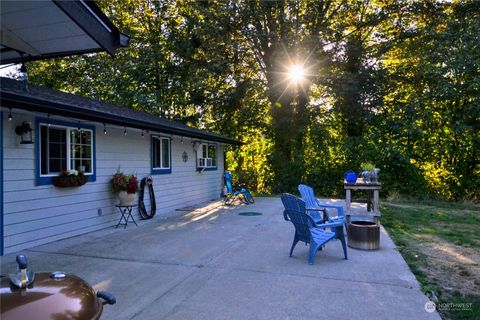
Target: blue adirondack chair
306	230
315	207
236	192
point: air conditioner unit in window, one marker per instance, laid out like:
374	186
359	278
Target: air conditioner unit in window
202	162
206	162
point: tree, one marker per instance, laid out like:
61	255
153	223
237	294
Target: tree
392	82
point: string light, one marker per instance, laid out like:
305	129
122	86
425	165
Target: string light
48	121
104	128
125	131
142	134
10	115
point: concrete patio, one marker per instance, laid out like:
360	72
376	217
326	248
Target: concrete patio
220	265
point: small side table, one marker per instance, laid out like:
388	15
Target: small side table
369	187
126	212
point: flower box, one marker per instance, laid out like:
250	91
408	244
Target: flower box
70	178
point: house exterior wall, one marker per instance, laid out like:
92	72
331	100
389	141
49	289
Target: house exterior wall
34	215
1	183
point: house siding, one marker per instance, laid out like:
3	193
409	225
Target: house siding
1	183
34	215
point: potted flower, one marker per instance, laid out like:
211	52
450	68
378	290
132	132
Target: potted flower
125	186
70	178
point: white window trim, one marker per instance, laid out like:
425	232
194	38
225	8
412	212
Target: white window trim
200	155
161	154
68	144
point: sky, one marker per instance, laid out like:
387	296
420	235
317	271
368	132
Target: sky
5	70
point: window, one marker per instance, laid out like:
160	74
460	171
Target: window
207	157
62	147
161	155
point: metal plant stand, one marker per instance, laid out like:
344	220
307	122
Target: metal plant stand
126	212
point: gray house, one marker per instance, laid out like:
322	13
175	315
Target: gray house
75	133
44	132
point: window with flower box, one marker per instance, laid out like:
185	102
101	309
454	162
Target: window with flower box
64	146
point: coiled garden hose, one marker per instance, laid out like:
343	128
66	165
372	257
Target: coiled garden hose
141	203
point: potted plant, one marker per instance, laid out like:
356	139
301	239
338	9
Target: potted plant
125	186
70	178
369	172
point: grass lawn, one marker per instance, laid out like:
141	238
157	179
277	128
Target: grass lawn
441	244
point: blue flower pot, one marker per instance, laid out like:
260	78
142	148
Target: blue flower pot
350	177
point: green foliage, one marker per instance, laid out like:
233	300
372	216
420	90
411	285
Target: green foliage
395	83
367	166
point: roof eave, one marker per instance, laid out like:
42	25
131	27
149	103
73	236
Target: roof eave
88	16
18	101
49	56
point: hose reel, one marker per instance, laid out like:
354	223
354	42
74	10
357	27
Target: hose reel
147	181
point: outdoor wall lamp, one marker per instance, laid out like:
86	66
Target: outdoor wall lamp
184	156
26	132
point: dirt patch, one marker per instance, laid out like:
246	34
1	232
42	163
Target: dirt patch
456	268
